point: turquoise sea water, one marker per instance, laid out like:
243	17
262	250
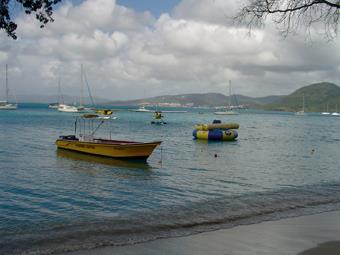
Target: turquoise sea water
53	201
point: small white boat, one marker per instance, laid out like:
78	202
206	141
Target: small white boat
74	108
141	109
67	108
5	105
226	113
302	112
336	111
326	112
53	106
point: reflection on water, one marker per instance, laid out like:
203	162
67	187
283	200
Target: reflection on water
131	163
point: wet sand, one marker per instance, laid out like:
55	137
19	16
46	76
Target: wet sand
306	235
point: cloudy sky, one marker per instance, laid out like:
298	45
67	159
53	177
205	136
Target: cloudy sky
141	48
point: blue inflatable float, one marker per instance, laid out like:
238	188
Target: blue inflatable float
214	131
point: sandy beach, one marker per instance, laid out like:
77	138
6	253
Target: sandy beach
306	235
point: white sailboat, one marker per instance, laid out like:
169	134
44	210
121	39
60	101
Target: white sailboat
5	105
73	108
302	112
67	108
60	97
62	107
141	109
229	111
326	112
336	111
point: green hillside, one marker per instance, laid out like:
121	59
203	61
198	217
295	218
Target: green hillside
205	99
316	97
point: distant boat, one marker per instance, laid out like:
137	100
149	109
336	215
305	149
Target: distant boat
73	108
336	111
326	112
302	112
60	97
53	105
229	111
141	109
5	105
158	118
67	108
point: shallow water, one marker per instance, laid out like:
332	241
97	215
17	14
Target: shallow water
54	201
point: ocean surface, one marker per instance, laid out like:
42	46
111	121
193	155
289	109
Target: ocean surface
55	201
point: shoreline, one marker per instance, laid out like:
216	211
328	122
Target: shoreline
316	234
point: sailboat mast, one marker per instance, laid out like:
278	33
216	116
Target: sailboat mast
229	94
81	85
6	83
60	94
303	102
88	89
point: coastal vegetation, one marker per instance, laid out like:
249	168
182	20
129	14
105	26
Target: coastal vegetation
199	100
317	97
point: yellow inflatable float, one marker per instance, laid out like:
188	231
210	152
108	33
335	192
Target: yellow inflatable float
216	132
207	127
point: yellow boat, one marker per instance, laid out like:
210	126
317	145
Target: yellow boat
105	147
108	148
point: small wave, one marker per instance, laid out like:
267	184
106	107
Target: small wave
206	215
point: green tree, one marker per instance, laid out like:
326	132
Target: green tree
290	15
42	9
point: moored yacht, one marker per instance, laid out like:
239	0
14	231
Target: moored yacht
67	108
229	110
5	105
141	109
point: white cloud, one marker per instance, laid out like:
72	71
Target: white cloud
194	48
209	11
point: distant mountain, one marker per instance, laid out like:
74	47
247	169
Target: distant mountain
54	98
205	99
317	96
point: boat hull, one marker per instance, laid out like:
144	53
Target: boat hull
226	113
8	107
108	148
67	108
